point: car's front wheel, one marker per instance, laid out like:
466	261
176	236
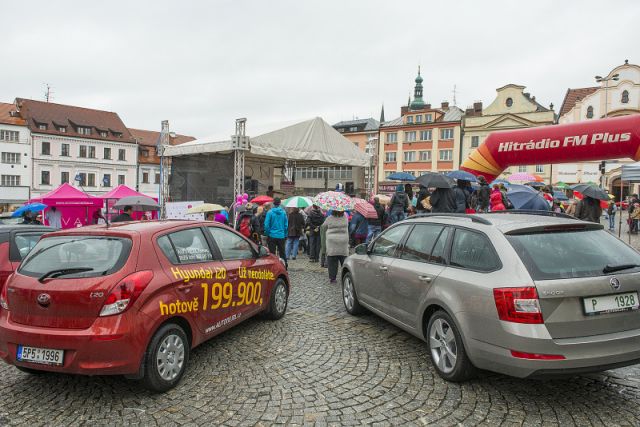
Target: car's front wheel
349	296
166	358
447	350
278	300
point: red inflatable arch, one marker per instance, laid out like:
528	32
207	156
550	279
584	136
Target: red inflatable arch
612	138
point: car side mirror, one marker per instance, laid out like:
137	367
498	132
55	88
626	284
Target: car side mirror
262	251
362	249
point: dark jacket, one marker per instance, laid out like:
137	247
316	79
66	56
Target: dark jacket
122	218
422	194
243	215
358	225
379	220
296	224
484	193
462	199
443	200
399	202
315	220
588	209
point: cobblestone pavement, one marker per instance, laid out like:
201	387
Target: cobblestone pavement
319	365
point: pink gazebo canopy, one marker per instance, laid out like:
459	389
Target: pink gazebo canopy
67	195
121	191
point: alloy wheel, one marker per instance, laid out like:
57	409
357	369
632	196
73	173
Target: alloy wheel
442	342
281	298
347	292
170	357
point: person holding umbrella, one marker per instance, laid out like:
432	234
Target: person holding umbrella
315	219
484	195
588	209
276	227
337	242
399	205
423	193
296	228
125	215
443	198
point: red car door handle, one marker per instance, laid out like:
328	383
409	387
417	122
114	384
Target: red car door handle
185	288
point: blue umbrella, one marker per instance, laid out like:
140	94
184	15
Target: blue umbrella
560	196
535	184
401	176
525	197
463	175
501	181
31	207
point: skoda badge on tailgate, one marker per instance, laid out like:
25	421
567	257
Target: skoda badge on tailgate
615	283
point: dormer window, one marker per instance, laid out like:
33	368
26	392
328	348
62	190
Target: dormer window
419	118
428	118
509	102
42	126
83	130
117	134
625	97
62	129
103	133
590	112
409	119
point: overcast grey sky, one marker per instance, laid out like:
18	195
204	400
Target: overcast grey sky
203	64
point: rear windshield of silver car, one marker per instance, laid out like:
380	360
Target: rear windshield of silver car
573	254
95	255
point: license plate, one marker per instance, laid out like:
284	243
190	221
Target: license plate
45	356
611	303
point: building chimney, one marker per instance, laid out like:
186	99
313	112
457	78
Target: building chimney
445	105
477	107
404	110
428	106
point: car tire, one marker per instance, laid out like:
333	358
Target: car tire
349	297
447	350
166	358
31	371
278	300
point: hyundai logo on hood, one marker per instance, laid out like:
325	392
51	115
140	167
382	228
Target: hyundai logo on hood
44	300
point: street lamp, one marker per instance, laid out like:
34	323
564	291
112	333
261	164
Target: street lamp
606	80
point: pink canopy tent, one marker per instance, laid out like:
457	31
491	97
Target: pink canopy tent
120	192
76	207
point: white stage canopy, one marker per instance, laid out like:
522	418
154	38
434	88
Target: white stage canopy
631	172
312	142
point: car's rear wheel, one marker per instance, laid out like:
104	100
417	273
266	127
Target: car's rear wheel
447	350
278	300
166	358
349	296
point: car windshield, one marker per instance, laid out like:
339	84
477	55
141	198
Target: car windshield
102	254
572	254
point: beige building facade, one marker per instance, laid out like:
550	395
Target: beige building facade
511	109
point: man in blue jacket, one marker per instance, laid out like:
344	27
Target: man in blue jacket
276	227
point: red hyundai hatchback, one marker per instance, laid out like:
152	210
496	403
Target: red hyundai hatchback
133	298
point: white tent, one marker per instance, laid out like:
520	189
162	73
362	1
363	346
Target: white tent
312	142
631	172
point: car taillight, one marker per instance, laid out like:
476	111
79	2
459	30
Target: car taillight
125	293
536	356
4	303
518	305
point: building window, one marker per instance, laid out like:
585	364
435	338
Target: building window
589	112
107	153
409	156
91	180
353	129
145	152
62	129
539	168
92	152
42	126
64	177
83	152
11	158
509	102
103	134
410	136
425	135
120	179
10	180
625	97
46	148
390	157
45	177
145	177
475	141
428	118
392	138
122	154
425	156
106	180
83	178
9	136
409	119
446	133
446	155
84	130
117	134
419	118
64	150
157	179
522	168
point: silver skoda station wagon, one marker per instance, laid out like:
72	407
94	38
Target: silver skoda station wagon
517	293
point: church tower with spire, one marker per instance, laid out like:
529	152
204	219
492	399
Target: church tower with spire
418	102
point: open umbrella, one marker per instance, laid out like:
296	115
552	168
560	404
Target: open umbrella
297	202
401	176
333	200
206	207
261	200
521	177
365	209
138	203
591	191
382	198
31	207
535	184
562	185
559	195
538	178
501	181
525	197
436	180
463	175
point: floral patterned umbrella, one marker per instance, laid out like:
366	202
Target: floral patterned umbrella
521	177
333	200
